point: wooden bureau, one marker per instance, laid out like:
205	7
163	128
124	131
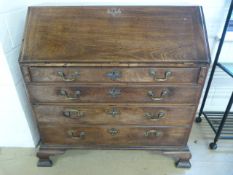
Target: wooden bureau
115	77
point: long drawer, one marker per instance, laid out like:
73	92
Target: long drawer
103	74
98	93
113	135
115	115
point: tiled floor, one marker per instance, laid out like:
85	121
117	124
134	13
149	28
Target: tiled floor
21	161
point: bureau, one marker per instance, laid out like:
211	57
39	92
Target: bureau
114	77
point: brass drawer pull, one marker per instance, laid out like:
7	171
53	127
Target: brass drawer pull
114	11
113	131
113	112
75	135
114	92
154	116
152	133
114	74
167	74
69	97
73	113
65	77
163	94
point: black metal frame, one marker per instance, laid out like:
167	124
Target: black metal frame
218	120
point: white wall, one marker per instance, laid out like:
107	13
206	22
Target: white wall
17	125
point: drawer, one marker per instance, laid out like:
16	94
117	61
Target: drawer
98	93
113	135
116	115
100	74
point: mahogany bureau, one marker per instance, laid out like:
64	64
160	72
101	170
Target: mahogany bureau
115	77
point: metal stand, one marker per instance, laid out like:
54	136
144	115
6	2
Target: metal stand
218	120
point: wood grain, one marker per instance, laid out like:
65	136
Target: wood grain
114	61
137	34
98	94
124	115
99	135
102	74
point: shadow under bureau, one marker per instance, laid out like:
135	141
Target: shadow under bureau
114	77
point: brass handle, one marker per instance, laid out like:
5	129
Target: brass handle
113	131
113	112
67	96
154	116
152	133
73	113
75	135
114	11
65	78
114	92
114	74
167	74
163	94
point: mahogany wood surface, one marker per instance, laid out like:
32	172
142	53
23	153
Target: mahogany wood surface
115	115
100	135
131	34
132	94
115	77
102	74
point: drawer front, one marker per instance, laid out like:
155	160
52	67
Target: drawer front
78	93
90	74
113	135
115	115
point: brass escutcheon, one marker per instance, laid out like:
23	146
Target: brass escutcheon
113	112
114	74
113	131
114	92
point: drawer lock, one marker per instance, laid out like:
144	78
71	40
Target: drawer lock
113	112
114	92
114	74
113	131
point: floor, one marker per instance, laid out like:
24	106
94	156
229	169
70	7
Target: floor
204	161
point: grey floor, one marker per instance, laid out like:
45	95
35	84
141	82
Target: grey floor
22	161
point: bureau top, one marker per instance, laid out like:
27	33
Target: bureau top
115	34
